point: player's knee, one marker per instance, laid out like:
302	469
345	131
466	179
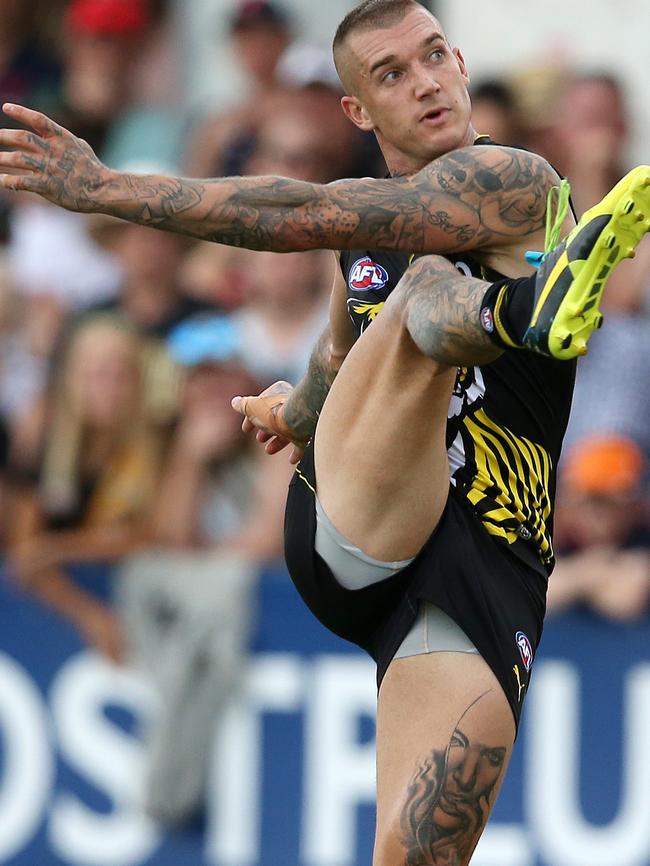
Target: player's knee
403	328
415	312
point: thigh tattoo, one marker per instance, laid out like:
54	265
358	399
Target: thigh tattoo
449	799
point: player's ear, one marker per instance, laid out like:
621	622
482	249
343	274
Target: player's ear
461	63
354	111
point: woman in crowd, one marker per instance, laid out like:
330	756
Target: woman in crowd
89	499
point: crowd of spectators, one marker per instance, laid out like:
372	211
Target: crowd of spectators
122	345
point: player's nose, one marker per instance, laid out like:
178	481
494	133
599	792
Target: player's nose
425	82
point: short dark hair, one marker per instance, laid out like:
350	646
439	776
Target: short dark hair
371	14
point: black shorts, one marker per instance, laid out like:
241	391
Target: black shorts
495	598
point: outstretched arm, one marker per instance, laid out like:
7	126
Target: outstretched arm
471	198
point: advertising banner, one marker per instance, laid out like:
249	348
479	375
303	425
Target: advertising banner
292	768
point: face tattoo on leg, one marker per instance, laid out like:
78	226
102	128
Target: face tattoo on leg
449	800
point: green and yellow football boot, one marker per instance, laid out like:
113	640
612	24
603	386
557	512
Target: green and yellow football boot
572	275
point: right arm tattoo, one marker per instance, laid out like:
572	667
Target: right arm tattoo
302	409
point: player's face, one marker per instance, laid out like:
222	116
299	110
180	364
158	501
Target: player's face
411	91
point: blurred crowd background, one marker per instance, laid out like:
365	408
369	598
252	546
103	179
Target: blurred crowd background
132	504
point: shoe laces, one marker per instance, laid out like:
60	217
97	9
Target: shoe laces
558	201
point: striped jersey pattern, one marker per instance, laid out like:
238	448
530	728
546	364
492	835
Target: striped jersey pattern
505	477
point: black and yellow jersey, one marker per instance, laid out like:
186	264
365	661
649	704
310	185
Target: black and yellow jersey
506	419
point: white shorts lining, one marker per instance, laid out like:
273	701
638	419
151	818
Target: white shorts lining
432	631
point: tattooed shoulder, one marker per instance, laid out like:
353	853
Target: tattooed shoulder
507	188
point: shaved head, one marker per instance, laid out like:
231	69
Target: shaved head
369	15
404	82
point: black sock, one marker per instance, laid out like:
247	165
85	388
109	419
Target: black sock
506	311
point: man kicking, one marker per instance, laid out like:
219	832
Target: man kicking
451	368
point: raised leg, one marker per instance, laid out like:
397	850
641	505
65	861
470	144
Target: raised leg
380	445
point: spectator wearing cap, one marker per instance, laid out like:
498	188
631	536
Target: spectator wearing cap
103	40
261	33
217	490
187	604
286	76
602	530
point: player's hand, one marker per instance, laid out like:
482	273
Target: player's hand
48	160
265	414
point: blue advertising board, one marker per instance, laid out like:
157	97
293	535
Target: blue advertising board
292	772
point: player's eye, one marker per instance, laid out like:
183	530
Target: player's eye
390	76
437	54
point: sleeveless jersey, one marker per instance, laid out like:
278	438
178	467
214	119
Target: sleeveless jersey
506	419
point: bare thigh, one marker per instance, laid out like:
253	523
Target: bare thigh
444	738
380	449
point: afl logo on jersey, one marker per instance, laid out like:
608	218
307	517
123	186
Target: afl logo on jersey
366	275
525	649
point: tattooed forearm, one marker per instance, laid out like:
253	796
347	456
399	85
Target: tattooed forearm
264	213
448	802
303	407
442	313
463	200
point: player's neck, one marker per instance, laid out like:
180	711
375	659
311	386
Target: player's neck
404	165
400	165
